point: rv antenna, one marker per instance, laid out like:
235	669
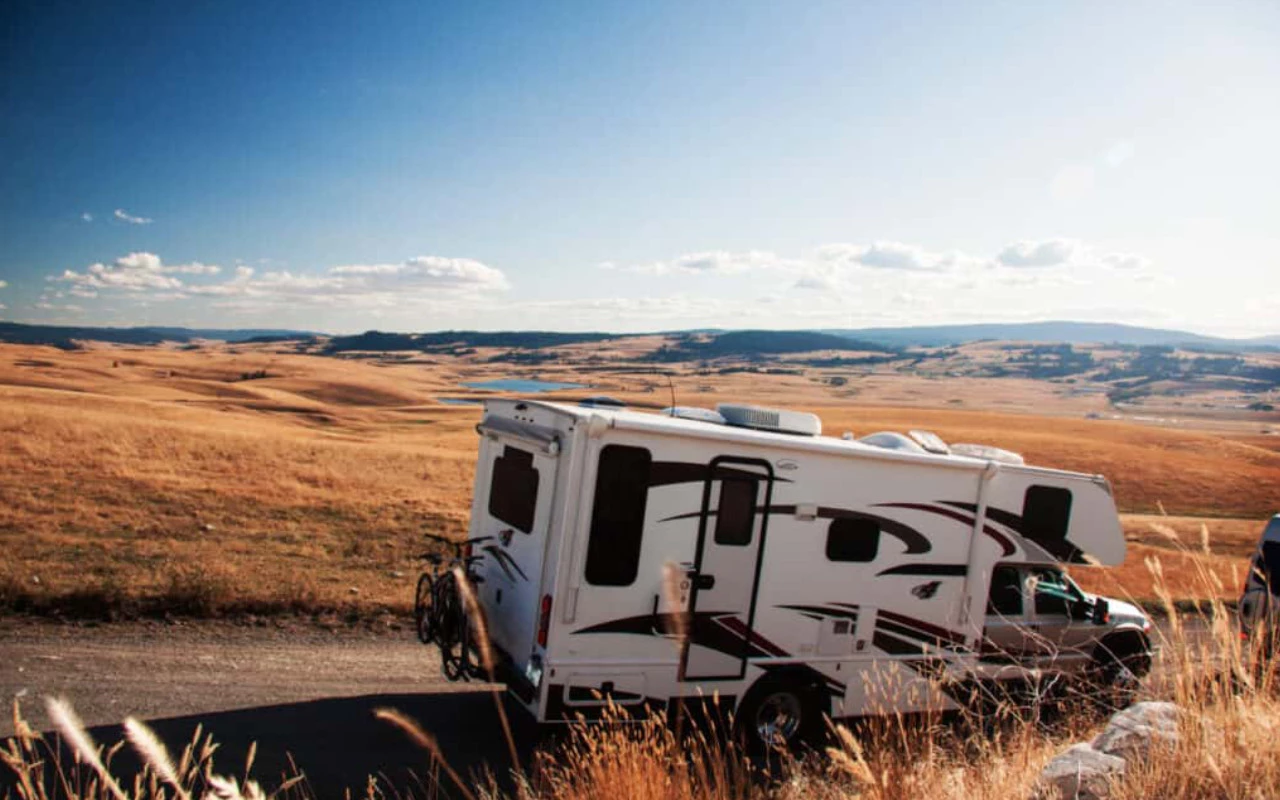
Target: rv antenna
671	386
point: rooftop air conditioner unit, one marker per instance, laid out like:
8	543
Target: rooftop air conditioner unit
776	420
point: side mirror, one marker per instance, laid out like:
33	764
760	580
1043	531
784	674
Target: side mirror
1101	611
1080	610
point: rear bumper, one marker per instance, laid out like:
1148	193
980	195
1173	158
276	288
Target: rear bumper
517	683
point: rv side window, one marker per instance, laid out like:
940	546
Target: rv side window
853	539
1046	513
617	516
513	492
736	513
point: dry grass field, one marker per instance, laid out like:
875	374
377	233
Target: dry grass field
249	479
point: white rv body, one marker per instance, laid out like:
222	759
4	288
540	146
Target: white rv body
858	569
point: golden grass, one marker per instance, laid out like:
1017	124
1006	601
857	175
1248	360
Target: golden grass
145	480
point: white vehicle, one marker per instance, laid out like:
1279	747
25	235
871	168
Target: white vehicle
817	576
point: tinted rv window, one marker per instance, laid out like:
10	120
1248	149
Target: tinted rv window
736	514
853	540
513	492
1046	513
617	516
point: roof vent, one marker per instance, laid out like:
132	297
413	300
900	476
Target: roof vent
771	419
892	440
694	413
930	441
987	453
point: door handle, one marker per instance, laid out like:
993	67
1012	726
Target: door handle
701	581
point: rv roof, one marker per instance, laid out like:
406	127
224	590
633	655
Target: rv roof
664	424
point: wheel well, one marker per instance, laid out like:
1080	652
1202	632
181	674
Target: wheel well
1123	645
800	676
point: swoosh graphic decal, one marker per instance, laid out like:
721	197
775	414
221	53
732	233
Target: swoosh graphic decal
1005	543
916	543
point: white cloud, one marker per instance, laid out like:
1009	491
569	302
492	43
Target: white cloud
713	262
893	256
3	284
1125	261
427	272
419	281
135	272
818	282
87	217
196	268
1046	253
125	216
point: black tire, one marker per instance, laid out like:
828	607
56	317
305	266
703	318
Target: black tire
782	713
1118	669
422	616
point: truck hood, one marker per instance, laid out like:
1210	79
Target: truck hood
1123	613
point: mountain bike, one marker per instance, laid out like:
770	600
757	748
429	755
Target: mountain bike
439	611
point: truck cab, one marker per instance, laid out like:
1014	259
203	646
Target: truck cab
1038	618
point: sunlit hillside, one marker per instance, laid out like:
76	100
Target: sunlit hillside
251	478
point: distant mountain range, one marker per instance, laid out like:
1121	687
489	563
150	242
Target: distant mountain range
716	343
1052	331
66	337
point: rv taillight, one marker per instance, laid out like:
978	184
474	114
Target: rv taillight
544	620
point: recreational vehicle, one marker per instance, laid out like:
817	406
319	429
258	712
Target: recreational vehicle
636	558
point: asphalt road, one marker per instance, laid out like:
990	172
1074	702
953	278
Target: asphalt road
295	691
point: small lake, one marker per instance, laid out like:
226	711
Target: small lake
459	401
520	385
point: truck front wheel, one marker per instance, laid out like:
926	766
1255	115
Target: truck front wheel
1119	664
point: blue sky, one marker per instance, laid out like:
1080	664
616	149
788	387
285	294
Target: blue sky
640	166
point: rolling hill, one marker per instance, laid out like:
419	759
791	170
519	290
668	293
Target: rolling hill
1048	331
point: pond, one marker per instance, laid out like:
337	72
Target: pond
459	401
520	385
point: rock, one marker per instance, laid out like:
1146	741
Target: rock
1078	773
1131	732
354	590
207	527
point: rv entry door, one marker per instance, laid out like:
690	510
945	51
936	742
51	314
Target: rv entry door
731	532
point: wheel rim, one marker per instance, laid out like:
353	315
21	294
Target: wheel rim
778	718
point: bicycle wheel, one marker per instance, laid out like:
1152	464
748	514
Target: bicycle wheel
447	625
422	602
